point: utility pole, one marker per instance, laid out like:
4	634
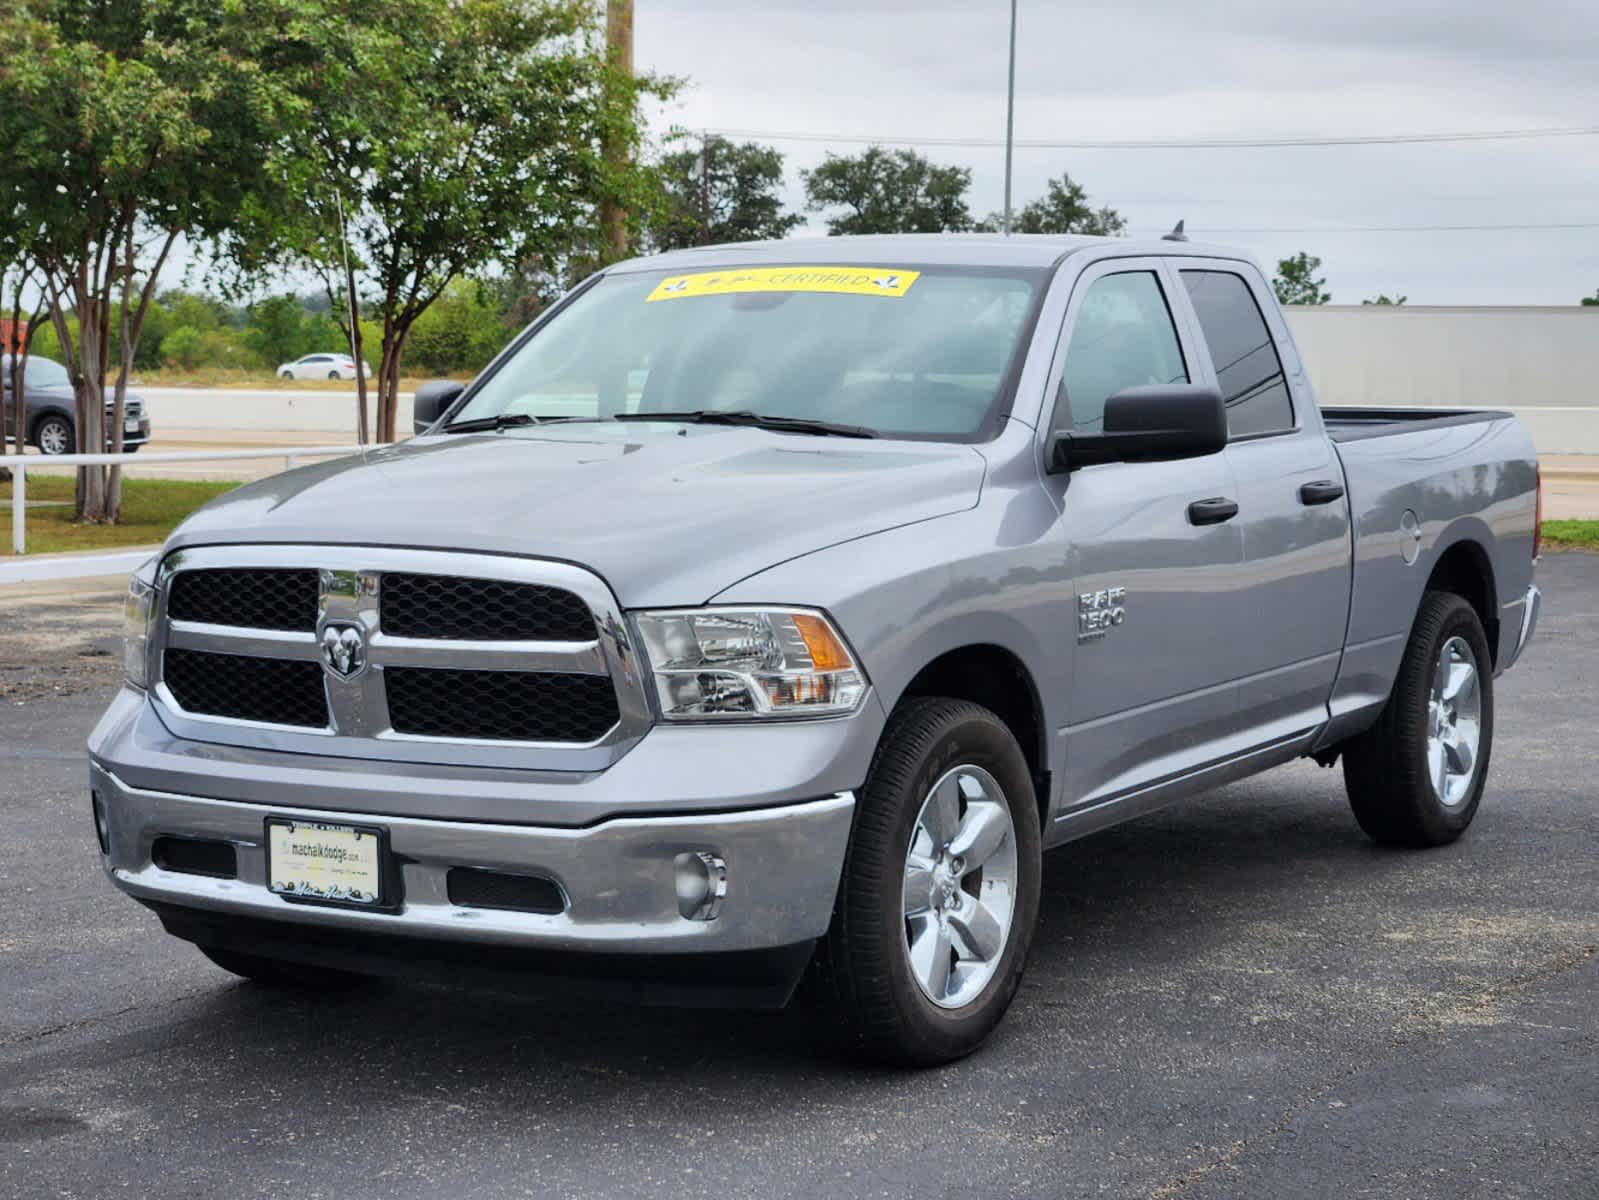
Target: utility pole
705	189
619	54
1010	114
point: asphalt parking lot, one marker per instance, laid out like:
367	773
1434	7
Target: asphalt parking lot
1240	997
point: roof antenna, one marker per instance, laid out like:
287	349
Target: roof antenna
1176	235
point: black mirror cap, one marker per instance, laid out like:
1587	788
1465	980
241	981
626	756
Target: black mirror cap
1157	423
431	401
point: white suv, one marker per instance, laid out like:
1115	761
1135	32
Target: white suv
321	366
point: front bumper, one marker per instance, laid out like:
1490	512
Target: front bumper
783	868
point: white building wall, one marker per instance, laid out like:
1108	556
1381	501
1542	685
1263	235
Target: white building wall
1541	363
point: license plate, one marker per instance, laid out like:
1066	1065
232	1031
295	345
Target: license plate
311	860
131	425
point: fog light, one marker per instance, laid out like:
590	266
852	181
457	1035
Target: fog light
701	879
102	830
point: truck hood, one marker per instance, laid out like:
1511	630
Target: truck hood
665	513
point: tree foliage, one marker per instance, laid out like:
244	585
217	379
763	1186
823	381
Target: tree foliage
1591	301
888	191
442	137
721	192
1296	281
1063	208
1383	298
129	123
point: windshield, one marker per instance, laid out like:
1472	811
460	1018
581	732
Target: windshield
916	352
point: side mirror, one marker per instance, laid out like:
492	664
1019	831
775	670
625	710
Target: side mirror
1147	424
431	401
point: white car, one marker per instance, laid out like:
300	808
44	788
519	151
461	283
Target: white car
321	366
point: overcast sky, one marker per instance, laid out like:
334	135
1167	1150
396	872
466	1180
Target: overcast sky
1174	69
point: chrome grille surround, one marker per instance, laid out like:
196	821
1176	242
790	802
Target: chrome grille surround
360	726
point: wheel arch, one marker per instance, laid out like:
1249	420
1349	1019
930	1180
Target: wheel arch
988	674
1465	568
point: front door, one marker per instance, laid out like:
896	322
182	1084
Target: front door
1156	570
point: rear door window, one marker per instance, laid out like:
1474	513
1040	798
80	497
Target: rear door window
1248	370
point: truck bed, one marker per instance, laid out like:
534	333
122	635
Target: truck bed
1355	424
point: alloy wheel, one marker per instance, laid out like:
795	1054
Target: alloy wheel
960	886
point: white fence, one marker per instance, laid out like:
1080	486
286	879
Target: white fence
1540	363
20	465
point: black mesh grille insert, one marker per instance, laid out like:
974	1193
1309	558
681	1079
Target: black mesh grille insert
523	706
449	606
249	689
255	598
474	888
195	856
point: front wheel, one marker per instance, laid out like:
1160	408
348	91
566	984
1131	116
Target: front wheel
1415	778
940	890
53	435
285	374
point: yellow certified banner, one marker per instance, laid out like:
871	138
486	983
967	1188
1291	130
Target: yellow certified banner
849	281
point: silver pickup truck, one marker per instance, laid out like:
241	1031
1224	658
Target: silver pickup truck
763	612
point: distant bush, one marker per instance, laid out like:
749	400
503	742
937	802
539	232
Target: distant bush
181	347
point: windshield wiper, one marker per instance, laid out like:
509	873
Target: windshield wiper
713	416
491	424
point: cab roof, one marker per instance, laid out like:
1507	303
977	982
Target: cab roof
932	249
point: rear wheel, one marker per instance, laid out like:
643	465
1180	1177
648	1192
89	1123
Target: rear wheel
53	435
940	890
275	972
334	375
1416	777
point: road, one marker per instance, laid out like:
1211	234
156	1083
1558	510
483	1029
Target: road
1239	997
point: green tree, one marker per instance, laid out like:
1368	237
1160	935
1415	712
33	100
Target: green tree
721	192
444	137
888	191
1591	301
462	331
182	347
1296	281
127	124
1383	298
1063	208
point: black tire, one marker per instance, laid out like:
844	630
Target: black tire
1386	769
333	375
864	965
285	374
275	972
62	428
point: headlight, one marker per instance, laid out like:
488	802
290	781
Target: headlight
138	611
747	662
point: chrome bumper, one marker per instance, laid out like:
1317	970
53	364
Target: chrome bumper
783	868
1529	625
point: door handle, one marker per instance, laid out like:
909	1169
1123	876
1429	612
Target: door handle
1322	491
1213	511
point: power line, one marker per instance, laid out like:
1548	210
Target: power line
1324	229
1395	139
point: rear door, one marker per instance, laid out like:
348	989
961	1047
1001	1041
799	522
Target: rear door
1292	511
1151	695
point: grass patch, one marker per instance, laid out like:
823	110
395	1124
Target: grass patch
150	510
1567	535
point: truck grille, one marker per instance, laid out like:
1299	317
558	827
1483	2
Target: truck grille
247	599
518	706
449	606
247	689
397	654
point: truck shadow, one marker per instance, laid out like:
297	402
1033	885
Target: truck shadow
1132	904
